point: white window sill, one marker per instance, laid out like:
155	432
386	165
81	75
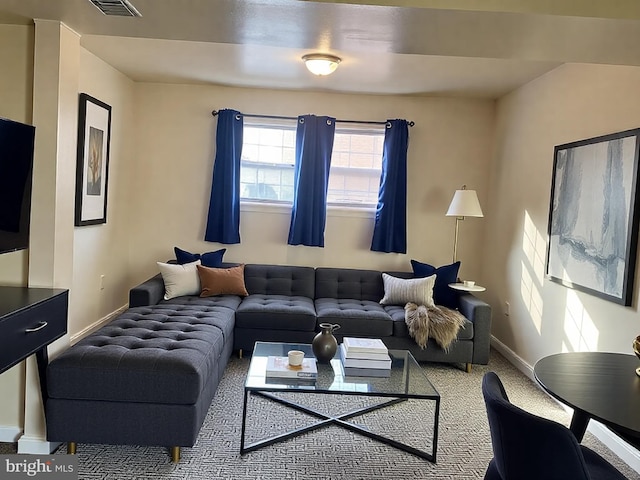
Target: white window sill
285	208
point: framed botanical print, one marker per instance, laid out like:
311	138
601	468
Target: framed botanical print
92	174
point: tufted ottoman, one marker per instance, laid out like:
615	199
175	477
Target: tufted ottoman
146	378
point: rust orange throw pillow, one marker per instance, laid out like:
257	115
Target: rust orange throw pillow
222	281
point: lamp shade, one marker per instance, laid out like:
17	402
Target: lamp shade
465	204
321	64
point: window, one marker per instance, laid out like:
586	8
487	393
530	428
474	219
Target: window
266	166
356	166
268	158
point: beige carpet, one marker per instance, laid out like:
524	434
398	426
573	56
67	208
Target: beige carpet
464	445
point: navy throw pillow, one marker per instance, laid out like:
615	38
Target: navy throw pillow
446	274
208	259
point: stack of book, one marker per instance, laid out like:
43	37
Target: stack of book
365	357
278	367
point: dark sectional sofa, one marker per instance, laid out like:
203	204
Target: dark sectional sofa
149	376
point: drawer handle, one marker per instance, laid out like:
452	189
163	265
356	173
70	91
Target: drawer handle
35	329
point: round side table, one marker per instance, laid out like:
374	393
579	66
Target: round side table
467	288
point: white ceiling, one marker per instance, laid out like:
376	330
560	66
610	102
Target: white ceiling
387	46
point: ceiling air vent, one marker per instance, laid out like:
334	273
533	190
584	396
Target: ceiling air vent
118	8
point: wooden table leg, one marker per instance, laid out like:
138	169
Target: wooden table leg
42	359
579	423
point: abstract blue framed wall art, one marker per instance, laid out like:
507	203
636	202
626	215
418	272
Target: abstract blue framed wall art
593	216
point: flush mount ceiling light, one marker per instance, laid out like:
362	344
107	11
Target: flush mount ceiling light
320	63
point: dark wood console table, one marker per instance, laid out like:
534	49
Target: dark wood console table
598	385
31	319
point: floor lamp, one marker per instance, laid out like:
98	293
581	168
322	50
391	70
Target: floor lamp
464	204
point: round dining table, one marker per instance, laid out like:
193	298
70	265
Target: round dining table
596	385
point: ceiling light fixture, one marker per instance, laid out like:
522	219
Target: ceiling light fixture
320	63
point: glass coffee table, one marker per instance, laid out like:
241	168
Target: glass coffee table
407	380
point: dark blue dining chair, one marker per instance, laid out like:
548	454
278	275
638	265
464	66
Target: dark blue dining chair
528	447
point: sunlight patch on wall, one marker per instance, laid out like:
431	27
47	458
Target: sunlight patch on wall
531	297
534	247
579	329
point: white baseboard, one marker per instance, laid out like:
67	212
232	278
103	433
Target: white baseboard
97	324
10	434
36	445
626	452
513	357
622	449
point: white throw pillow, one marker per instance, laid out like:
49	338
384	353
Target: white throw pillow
399	291
180	280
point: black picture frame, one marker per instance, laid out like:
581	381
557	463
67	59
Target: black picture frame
92	170
593	216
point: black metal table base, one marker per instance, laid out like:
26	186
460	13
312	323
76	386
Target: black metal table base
340	420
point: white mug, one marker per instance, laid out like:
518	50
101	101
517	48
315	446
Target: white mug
469	283
295	357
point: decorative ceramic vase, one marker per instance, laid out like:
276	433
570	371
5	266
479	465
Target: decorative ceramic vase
636	349
324	344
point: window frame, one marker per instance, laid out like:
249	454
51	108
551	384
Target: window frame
362	129
352	129
273	124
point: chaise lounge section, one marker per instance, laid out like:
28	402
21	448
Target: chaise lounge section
146	378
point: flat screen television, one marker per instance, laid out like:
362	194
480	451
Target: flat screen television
16	165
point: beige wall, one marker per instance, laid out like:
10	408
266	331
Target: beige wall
16	85
450	145
103	249
570	103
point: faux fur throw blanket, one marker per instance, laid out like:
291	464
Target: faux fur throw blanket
440	323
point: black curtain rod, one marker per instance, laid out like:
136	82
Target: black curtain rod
278	117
